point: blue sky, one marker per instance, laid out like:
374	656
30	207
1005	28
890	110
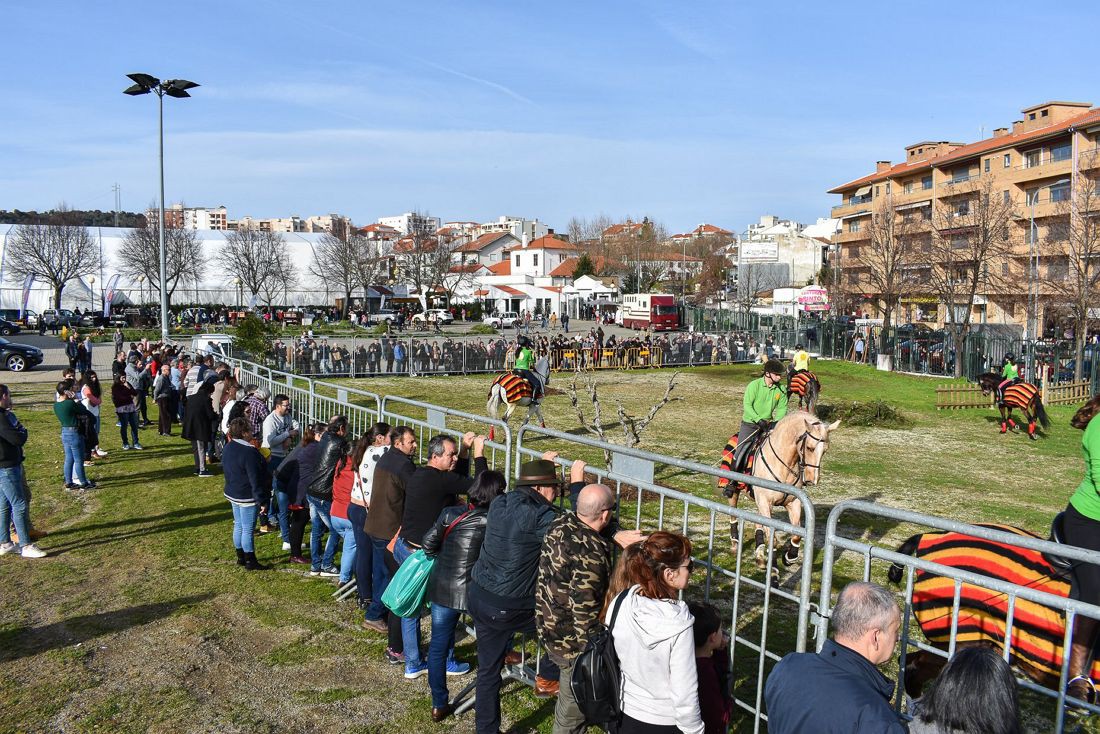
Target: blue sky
686	112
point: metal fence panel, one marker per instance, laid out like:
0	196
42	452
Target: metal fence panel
498	451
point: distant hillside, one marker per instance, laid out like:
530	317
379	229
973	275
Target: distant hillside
87	218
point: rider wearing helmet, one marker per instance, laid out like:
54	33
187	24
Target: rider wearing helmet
1009	375
525	358
800	362
765	401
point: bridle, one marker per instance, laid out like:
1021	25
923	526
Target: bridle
800	462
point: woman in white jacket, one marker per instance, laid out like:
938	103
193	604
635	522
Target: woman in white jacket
654	640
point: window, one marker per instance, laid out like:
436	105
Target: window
535	259
926	182
517	259
959	243
960	174
1060	191
1032	197
853	252
908	188
987	165
853	225
962	208
1008	160
1033	158
1031	116
1033	234
1061	152
1004	269
887	187
877	190
1007	197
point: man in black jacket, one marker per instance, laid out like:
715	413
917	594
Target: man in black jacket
334	446
433	486
12	485
502	585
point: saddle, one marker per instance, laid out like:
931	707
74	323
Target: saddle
1062	567
531	379
739	458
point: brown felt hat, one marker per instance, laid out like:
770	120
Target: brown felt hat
538	472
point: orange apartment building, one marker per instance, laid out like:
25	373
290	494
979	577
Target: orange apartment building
1037	164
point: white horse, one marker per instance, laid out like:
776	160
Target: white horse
511	390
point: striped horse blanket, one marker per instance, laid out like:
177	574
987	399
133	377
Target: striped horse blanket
1037	630
515	387
726	464
1020	395
800	382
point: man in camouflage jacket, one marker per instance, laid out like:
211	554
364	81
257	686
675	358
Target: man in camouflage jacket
574	569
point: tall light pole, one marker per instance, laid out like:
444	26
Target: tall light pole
144	84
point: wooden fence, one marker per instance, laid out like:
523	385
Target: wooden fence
957	396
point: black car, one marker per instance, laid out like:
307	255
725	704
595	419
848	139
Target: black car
7	328
18	357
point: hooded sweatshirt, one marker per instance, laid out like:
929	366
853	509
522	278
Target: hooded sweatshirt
656	649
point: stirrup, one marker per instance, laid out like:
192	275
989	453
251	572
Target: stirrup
1090	692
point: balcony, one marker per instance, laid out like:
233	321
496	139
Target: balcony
853	206
859	236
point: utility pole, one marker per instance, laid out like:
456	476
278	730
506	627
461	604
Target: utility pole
118	201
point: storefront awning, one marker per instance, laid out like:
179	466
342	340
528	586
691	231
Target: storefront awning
862	191
916	205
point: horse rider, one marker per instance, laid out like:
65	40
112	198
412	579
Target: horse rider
799	363
765	404
525	358
1009	376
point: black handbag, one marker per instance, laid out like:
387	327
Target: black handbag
596	682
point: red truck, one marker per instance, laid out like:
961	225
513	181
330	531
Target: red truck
654	310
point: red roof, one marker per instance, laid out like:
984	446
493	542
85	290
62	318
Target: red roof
510	291
471	268
705	229
481	292
554	288
565	270
621	229
972	149
549	242
504	267
482	242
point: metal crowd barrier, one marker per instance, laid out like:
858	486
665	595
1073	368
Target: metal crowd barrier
645	505
836	543
362	413
498	452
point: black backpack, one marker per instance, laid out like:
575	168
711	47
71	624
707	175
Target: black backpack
596	683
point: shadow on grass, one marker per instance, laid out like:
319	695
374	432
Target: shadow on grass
195	521
534	719
26	641
135	520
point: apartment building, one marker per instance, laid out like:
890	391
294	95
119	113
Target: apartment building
1036	165
191	217
412	222
525	230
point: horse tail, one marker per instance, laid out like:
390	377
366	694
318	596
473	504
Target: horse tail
492	407
812	389
1041	412
909	547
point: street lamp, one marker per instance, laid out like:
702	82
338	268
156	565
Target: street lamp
141	288
144	84
91	291
240	296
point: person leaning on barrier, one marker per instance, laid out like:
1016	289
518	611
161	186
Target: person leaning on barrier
332	453
387	507
841	688
975	693
574	567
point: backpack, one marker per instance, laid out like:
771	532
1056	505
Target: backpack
596	683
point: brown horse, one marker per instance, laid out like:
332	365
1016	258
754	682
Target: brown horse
1022	395
1037	630
791	454
807	387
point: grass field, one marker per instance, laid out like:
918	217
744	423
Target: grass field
139	620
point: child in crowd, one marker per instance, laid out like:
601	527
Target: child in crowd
712	663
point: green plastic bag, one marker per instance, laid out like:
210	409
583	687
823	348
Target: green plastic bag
408	589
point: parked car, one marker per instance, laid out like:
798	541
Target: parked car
18	357
7	328
216	344
383	316
501	320
29	320
61	317
442	316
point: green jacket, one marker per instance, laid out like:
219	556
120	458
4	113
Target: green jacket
1086	500
763	403
1009	372
67	411
523	361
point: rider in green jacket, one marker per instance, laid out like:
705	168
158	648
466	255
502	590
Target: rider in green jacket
765	401
525	358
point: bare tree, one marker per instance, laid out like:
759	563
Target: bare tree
1072	249
887	259
335	262
754	280
425	258
57	250
969	252
584	231
632	427
371	262
260	259
139	255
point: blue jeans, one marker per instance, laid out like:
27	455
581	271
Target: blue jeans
73	444
364	551
128	420
380	578
342	527
410	626
11	494
319	519
441	651
280	500
244	519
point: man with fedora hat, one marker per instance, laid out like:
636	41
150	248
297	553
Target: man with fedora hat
502	585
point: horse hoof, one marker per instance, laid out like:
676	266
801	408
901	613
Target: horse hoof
774	577
790	560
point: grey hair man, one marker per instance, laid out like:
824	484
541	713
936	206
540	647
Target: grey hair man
848	692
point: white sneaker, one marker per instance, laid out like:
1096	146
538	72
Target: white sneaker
286	546
32	551
8	547
100	453
138	446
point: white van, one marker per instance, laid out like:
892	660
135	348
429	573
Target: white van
216	344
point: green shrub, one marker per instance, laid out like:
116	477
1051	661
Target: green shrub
876	413
482	329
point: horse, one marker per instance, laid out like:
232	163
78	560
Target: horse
1037	630
807	387
511	390
1022	395
791	453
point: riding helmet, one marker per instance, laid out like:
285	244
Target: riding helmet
1010	357
524	341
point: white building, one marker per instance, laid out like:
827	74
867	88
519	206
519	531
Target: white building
411	222
778	253
191	217
518	227
488	249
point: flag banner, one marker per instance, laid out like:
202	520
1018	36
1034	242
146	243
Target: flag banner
27	283
252	301
109	294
